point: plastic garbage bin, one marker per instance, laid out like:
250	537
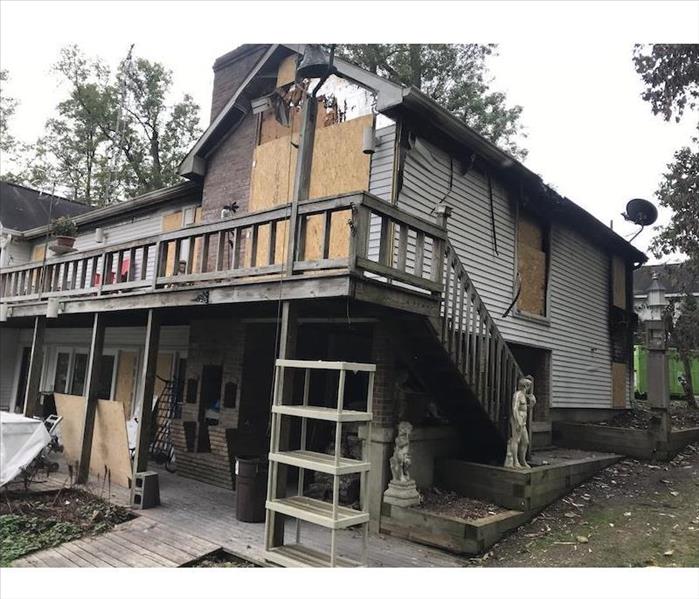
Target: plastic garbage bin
250	488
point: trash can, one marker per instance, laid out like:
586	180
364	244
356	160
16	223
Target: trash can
250	488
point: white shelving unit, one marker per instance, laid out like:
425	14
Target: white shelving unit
322	513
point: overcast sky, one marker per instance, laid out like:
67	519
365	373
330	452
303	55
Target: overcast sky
569	65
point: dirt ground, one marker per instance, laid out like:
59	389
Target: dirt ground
445	503
37	520
632	514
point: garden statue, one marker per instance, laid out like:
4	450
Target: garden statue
402	489
400	462
523	402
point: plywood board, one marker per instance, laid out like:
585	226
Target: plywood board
619	379
339	166
529	232
171	222
287	70
618	282
163	369
110	447
126	380
532	270
38	252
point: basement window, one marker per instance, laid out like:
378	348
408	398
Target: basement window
533	253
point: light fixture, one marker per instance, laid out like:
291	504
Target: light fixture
656	300
315	63
52	308
5	312
369	140
99	235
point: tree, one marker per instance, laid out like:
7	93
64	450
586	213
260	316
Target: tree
115	135
670	73
453	75
7	109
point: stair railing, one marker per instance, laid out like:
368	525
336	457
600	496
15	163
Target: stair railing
474	343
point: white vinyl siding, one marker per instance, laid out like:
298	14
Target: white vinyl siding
577	329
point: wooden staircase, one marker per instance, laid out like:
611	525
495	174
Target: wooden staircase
465	361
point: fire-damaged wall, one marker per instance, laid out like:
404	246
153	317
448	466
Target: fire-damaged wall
202	437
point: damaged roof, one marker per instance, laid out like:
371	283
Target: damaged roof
23	208
399	101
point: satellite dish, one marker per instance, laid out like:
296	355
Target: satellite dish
641	212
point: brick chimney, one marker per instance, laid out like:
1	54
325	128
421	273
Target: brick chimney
229	72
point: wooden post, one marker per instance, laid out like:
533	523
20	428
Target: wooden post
92	384
147	387
36	361
287	349
302	177
442	213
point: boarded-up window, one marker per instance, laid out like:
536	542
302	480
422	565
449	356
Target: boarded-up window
532	264
618	282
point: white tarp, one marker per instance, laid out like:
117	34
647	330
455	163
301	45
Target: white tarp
21	440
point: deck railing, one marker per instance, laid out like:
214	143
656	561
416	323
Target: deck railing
357	232
476	347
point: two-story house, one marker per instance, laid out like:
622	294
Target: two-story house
407	240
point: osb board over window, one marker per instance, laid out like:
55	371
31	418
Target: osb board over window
619	378
339	166
618	282
531	265
110	447
126	380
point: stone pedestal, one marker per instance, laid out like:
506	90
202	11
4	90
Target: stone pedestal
402	493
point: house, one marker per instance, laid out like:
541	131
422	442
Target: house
22	209
411	243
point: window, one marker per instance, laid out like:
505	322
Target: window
104	389
532	264
77	386
60	379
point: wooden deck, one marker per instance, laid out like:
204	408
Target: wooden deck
195	519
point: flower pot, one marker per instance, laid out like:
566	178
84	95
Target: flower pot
65	241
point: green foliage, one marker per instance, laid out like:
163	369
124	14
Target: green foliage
115	134
453	75
7	109
670	73
64	226
21	534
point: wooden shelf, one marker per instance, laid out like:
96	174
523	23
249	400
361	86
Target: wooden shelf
319	462
320	413
297	555
317	512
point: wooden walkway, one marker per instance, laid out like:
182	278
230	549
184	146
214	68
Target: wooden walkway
139	543
195	519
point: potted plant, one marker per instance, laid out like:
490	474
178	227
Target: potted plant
64	231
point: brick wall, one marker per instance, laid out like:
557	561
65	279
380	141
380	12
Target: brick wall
211	342
228	171
383	355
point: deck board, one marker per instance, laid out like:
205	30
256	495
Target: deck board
195	519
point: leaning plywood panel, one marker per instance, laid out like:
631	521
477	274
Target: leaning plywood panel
110	448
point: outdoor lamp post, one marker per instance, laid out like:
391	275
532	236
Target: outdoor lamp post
657	371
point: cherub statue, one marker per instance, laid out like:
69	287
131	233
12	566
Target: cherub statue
400	461
523	402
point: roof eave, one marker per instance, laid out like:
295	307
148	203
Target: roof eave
151	198
415	101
